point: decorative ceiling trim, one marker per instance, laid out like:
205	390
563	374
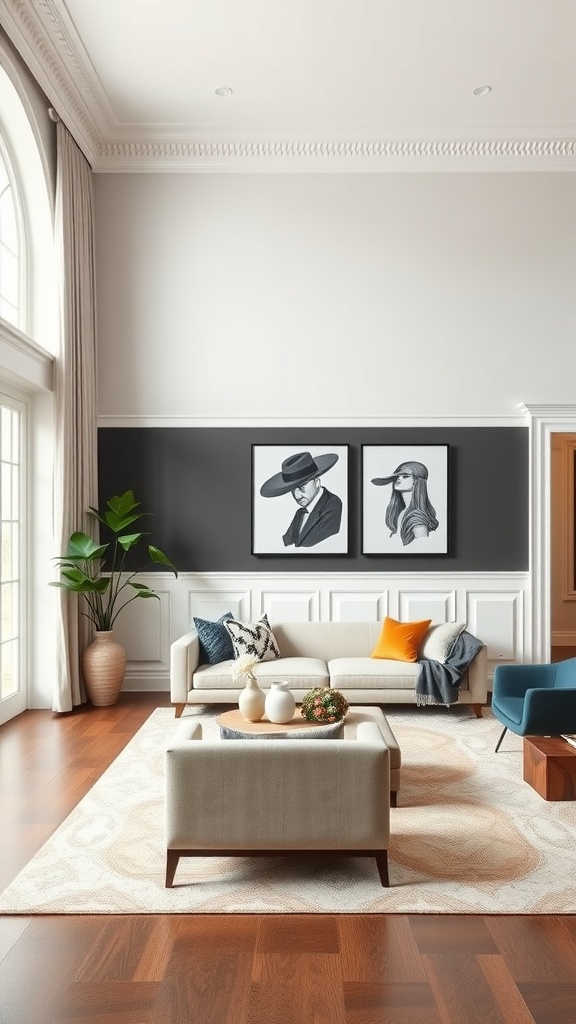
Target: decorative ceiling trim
45	36
477	154
36	29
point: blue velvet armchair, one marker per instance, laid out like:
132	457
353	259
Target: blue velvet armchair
535	700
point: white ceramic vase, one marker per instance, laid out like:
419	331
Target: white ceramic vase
280	703
251	701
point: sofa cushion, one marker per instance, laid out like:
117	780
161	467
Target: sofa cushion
326	639
215	677
372	674
300	673
253	638
440	639
215	641
400	641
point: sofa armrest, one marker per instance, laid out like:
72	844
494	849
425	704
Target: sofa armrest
187	729
478	677
184	658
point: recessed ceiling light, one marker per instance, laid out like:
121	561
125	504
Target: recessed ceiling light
223	90
481	90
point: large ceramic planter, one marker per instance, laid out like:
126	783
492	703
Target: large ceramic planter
103	667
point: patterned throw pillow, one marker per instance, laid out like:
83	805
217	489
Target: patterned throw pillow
253	638
215	642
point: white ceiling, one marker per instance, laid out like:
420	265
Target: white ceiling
333	84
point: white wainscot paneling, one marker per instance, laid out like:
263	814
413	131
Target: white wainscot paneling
212	605
497	618
494	606
301	606
358	606
440	606
143	629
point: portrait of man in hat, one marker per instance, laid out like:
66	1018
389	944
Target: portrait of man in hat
319	514
412	521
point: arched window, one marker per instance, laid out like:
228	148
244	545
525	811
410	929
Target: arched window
28	342
10	246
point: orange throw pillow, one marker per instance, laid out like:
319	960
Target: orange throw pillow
399	641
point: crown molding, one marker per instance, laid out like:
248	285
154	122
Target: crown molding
343	156
43	33
53	52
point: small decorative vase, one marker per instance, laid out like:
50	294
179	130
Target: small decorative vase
280	704
251	700
103	667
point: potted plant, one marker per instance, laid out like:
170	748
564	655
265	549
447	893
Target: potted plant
97	572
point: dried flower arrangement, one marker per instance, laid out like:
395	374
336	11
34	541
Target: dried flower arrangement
324	705
244	666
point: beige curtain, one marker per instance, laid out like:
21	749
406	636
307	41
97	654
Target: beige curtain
75	482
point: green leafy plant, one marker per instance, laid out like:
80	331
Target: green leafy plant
324	705
105	586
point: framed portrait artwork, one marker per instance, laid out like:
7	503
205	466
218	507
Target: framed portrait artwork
405	499
299	499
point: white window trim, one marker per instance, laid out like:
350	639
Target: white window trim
13	398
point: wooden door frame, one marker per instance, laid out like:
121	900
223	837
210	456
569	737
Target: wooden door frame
544	420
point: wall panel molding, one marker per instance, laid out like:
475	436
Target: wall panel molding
494	605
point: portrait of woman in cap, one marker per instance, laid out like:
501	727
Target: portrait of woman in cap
411	519
409	510
319	520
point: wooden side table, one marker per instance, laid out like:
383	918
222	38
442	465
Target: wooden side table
550	767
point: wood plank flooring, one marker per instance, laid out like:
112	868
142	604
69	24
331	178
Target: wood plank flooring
398	969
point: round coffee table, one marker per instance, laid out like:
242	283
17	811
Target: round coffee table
233	722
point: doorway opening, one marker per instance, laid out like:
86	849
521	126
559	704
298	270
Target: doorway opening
562	546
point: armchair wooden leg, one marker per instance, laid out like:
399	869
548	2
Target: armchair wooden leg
179	708
172	858
502	735
382	862
477	709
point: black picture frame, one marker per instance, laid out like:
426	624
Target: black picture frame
405	513
278	525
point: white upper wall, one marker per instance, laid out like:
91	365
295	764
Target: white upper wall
393	295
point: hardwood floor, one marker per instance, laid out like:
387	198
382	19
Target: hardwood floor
398	969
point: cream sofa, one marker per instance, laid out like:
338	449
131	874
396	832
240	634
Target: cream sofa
233	797
314	654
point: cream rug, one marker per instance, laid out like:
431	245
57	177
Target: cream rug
469	837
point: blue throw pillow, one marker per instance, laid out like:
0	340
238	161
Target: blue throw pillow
215	642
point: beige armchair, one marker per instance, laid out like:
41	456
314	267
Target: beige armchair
264	797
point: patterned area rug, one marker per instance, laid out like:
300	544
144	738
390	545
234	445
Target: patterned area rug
469	837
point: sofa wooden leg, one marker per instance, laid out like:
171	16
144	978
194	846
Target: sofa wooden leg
382	862
179	708
393	798
477	709
172	858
